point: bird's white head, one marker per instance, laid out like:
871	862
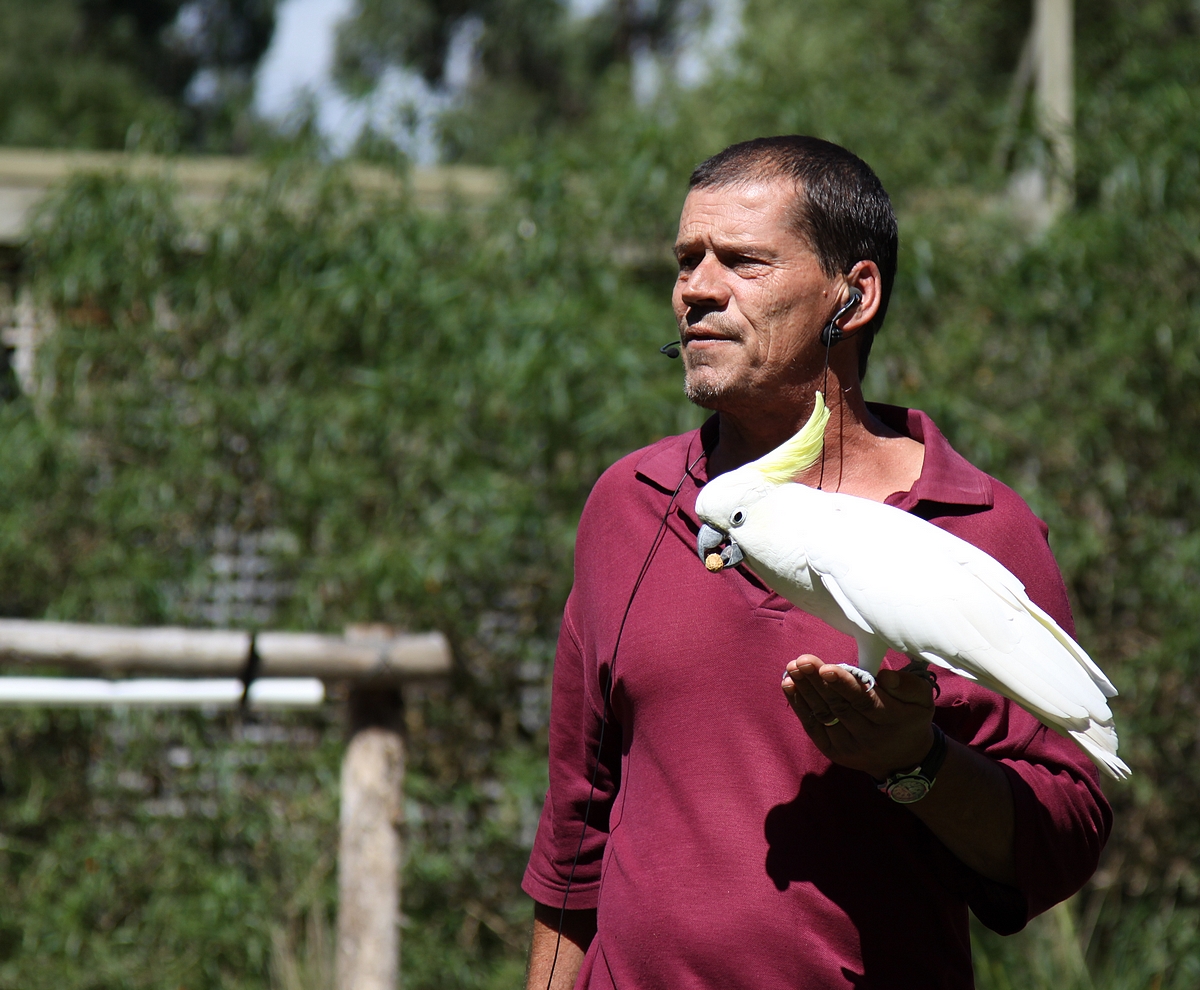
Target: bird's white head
725	503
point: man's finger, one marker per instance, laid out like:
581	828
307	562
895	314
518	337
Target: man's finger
842	720
808	693
842	690
816	728
801	672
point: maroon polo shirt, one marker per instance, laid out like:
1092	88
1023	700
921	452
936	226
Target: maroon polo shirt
723	850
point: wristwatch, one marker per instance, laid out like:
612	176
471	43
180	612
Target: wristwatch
909	786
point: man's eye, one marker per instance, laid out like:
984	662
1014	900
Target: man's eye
742	261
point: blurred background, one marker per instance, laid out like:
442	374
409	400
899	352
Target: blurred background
366	295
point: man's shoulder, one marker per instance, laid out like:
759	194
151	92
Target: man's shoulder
1006	528
1011	511
629	498
659	465
961	489
960	497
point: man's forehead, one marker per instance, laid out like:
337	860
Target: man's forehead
739	211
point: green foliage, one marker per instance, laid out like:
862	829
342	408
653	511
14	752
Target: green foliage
114	73
1148	944
419	403
918	90
538	66
342	369
146	850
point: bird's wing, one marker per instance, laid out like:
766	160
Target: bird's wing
845	604
1007	586
932	595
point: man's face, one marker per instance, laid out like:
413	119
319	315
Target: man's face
750	297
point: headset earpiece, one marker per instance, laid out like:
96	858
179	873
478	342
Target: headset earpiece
832	333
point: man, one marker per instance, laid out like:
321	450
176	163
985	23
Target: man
730	842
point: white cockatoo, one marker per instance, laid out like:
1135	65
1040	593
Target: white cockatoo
891	579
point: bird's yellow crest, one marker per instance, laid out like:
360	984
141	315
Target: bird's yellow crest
798	453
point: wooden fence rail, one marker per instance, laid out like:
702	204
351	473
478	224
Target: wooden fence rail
172	650
376	662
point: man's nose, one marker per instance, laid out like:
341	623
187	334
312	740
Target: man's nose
704	284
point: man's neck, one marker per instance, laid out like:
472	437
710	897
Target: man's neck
862	455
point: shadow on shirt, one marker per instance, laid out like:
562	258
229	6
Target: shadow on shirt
904	893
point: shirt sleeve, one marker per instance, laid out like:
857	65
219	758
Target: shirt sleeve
1062	819
585	752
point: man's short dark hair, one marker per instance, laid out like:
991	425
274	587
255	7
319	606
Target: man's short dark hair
841	208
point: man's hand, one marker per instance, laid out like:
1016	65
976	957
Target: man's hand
878	731
971	807
554	962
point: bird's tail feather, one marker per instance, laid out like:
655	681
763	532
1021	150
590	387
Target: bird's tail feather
1098	676
1097	739
1100	743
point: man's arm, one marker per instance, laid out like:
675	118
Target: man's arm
970	810
578	930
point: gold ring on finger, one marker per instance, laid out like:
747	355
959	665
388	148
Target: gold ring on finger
832	722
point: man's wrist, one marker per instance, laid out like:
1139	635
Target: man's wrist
909	785
907	759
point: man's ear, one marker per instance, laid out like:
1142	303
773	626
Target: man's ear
865	278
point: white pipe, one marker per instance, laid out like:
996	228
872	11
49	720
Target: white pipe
52	692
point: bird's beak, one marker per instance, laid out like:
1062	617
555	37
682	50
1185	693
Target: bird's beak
708	541
731	556
732	553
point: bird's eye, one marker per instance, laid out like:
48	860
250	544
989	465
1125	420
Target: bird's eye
738	517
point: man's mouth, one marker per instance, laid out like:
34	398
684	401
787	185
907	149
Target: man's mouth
709	328
701	335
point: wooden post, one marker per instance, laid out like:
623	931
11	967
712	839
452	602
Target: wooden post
1053	23
369	854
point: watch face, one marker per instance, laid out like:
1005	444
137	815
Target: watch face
908	789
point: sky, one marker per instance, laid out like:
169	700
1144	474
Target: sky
298	66
299	63
300	56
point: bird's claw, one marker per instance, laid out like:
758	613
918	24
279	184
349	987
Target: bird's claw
927	675
860	675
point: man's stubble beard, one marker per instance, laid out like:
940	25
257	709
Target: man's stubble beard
737	387
711	391
705	385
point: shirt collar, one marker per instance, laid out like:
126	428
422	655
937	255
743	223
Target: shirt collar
946	476
664	462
